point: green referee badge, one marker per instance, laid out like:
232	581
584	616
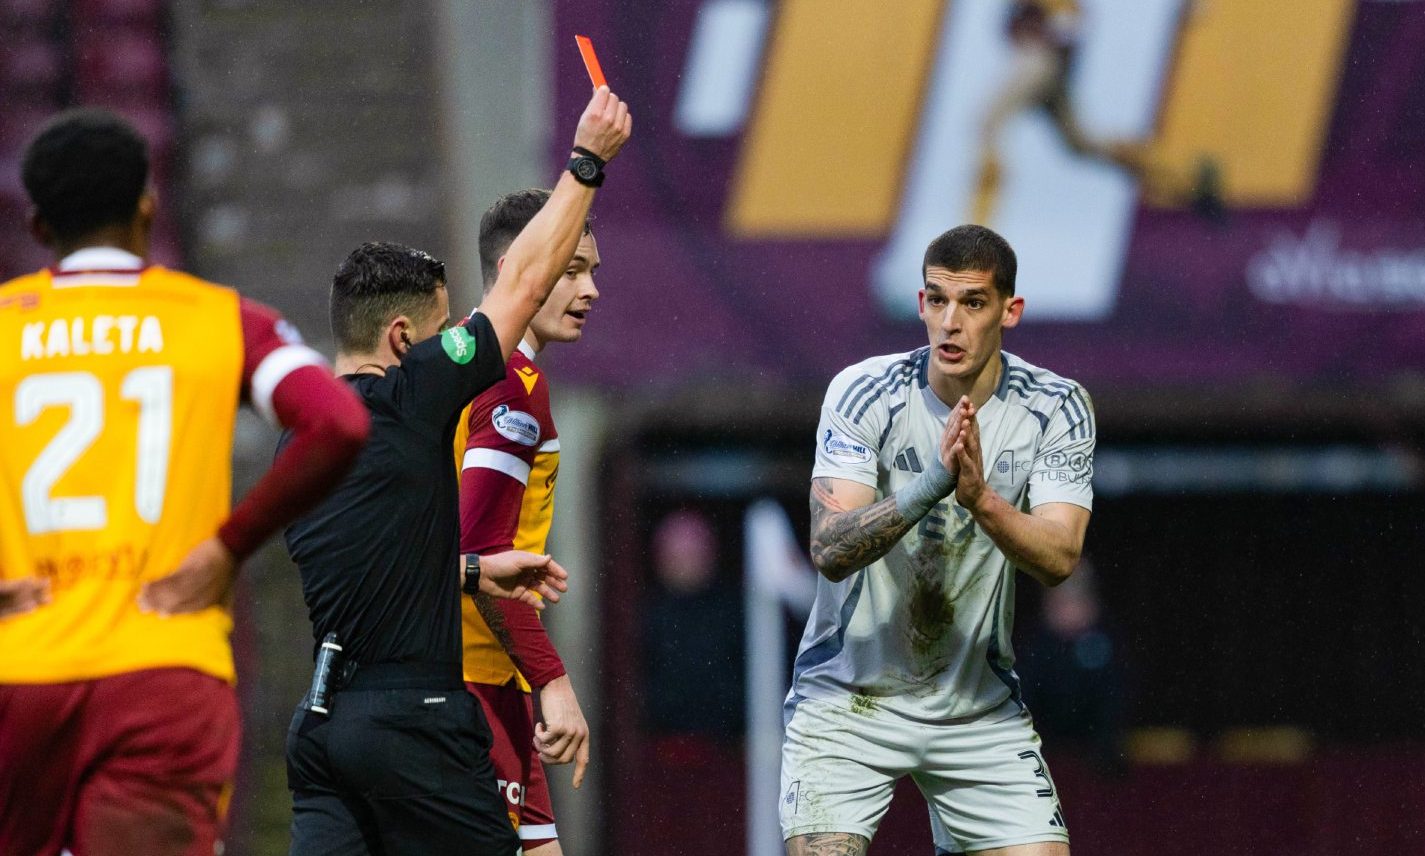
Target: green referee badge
458	344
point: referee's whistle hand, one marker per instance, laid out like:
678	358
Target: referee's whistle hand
529	577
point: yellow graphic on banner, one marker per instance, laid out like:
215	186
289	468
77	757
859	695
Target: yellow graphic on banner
1254	86
1251	85
838	108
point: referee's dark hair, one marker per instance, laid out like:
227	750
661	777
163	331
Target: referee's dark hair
502	223
972	247
377	282
84	170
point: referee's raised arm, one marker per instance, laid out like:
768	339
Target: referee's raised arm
540	254
446	372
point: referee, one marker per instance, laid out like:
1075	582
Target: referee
397	761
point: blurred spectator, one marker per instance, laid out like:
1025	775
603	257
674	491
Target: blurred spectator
1073	672
692	635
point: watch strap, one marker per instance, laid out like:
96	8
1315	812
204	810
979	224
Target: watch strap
471	561
580	150
586	170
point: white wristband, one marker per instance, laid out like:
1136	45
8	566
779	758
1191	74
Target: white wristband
915	500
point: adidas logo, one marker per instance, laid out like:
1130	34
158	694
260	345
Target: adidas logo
909	461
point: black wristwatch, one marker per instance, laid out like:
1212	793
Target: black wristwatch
471	585
587	167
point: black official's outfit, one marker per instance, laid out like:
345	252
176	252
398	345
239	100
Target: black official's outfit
400	765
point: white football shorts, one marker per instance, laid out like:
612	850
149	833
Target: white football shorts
983	776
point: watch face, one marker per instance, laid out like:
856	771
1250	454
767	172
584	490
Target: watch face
586	169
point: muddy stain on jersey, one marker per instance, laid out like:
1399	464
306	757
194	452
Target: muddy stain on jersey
930	606
932	613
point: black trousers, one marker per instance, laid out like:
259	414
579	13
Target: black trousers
396	771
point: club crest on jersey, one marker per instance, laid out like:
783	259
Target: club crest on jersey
839	446
459	345
1009	468
1005	464
515	425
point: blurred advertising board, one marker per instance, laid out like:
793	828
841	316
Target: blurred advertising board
791	160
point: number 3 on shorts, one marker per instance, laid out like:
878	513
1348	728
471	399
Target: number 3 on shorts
1046	792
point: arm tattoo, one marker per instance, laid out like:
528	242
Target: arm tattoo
842	541
827	844
495	620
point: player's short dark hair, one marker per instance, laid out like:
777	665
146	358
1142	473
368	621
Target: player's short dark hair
972	247
84	170
377	282
502	223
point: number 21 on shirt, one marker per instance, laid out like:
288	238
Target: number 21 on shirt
150	388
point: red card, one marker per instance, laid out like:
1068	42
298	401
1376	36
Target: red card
591	61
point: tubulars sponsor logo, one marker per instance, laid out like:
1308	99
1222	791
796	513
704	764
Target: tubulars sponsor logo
1065	468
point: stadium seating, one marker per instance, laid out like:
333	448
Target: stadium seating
144	13
31	69
20	16
119	66
108	53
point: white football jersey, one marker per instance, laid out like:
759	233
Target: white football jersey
926	629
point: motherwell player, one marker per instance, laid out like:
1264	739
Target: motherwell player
509	460
119	385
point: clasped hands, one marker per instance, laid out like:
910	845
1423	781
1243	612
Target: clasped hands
960	454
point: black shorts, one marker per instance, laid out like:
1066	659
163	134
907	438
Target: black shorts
395	771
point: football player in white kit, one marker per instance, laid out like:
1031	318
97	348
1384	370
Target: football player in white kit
938	472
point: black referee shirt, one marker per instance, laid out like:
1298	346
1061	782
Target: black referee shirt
380	556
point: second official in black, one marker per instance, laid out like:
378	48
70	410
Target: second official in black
400	762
